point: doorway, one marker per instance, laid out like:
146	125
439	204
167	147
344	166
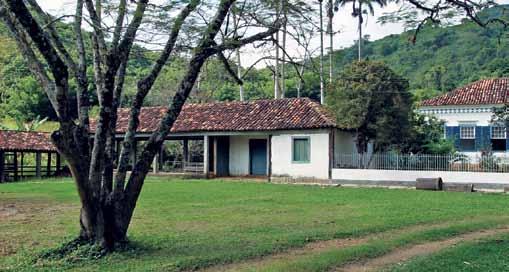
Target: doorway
258	157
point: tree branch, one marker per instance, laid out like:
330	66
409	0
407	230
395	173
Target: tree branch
143	87
202	52
43	44
81	69
53	35
229	69
122	8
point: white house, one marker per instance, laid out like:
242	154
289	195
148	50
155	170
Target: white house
278	138
468	112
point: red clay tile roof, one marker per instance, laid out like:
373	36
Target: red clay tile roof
483	92
11	140
258	115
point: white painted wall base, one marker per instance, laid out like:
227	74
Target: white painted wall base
410	176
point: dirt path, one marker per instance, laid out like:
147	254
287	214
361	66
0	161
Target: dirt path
404	254
317	247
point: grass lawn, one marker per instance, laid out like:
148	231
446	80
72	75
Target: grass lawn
490	255
185	225
48	126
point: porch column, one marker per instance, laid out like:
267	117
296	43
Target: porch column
22	163
332	139
2	166
155	164
206	155
38	164
161	157
185	150
118	150
59	162
15	166
214	154
133	153
48	166
269	158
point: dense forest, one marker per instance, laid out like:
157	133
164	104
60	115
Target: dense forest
441	59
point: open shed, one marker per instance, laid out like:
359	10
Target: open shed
25	154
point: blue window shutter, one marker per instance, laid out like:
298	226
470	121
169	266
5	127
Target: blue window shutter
478	138
456	136
449	132
486	137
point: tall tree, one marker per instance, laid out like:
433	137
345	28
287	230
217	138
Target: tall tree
371	99
107	200
360	8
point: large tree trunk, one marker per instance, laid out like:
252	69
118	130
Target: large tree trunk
107	205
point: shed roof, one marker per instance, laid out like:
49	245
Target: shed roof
258	115
493	91
11	140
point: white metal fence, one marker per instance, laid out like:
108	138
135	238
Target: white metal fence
423	162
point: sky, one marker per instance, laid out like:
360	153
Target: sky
343	21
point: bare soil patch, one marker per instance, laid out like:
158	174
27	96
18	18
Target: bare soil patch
7	211
317	247
17	218
406	253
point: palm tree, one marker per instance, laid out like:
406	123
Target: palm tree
358	7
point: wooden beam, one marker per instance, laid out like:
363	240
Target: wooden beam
58	162
38	164
48	165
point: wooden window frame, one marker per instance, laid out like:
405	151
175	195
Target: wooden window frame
293	149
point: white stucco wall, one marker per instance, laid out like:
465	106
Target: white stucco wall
239	154
281	154
394	176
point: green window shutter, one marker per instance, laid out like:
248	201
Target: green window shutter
301	150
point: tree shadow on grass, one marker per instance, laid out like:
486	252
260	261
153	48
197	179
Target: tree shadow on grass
78	251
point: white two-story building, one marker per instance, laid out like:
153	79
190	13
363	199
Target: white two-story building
468	113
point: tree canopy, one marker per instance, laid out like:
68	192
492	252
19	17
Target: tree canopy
370	98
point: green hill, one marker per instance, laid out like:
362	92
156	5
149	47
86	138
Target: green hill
442	59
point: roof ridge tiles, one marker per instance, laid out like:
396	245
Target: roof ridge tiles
255	115
490	91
